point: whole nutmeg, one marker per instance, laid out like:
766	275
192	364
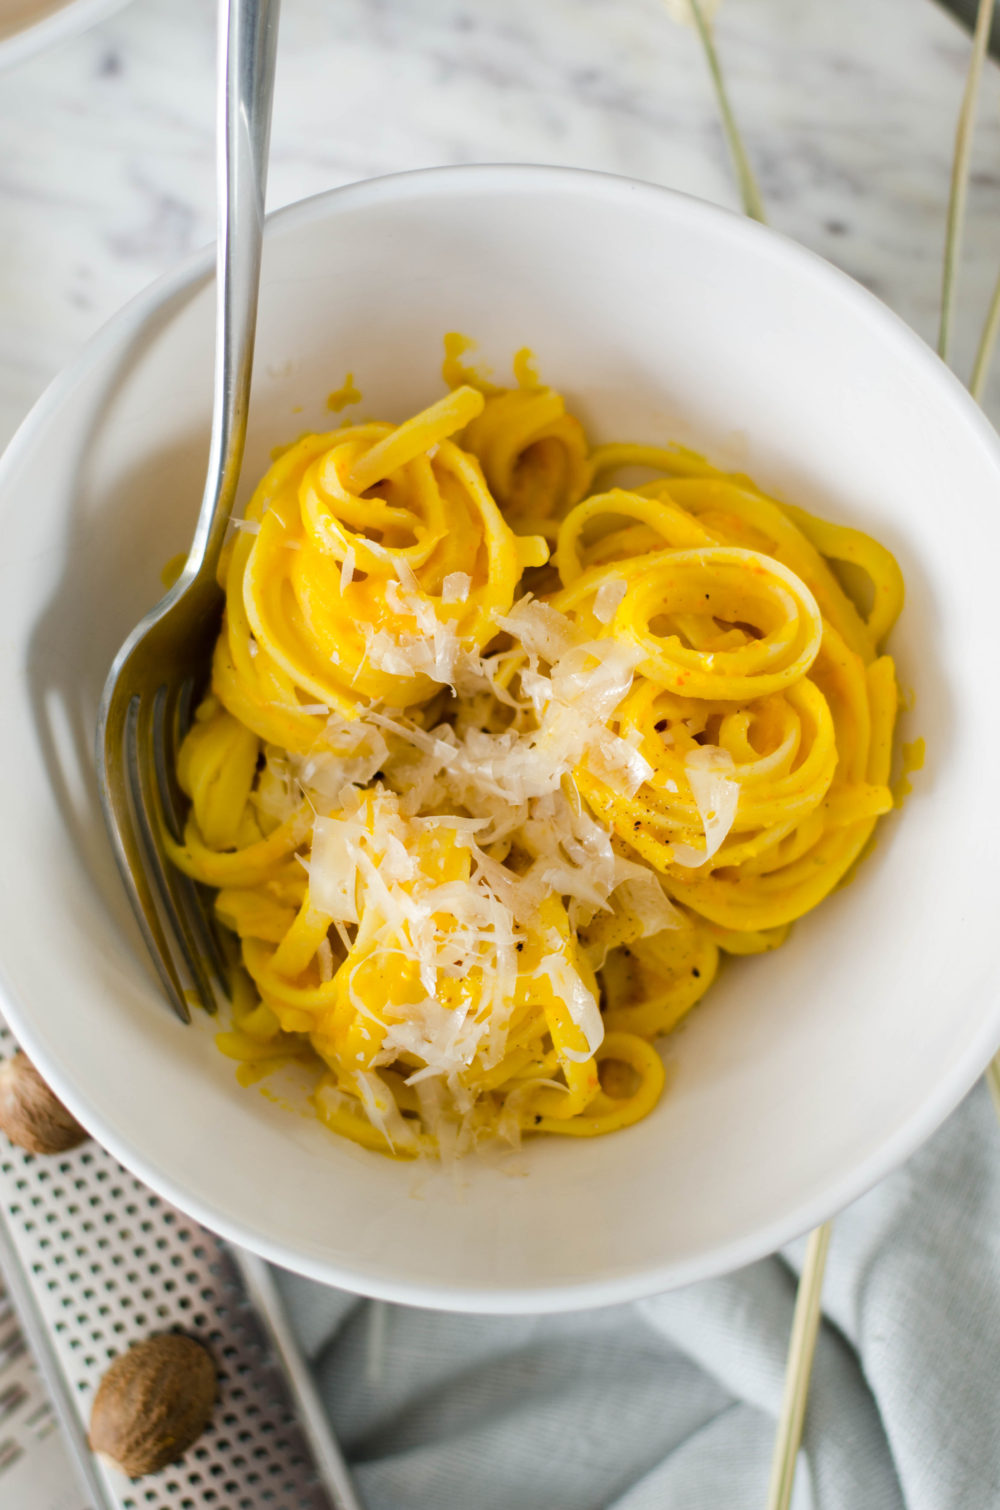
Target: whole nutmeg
153	1403
30	1114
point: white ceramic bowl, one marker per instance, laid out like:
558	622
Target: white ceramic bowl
806	1074
31	26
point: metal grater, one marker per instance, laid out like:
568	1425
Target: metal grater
94	1260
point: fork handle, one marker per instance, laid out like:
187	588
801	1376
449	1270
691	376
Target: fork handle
248	33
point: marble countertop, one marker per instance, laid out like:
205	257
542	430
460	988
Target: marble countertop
106	173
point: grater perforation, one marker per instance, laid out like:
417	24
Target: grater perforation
109	1262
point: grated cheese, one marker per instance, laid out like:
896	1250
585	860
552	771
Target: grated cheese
455	587
716	797
459	794
609	598
541	629
568	986
383	1112
333	870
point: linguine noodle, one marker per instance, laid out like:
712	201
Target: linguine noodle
498	755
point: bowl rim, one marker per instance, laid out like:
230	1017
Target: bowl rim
838	1191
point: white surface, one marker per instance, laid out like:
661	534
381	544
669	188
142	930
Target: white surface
806	1074
35	1470
106	176
31	26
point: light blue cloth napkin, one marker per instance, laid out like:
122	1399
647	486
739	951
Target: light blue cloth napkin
670	1404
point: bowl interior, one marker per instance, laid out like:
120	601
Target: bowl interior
805	1074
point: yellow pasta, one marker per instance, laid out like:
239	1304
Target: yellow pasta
499	757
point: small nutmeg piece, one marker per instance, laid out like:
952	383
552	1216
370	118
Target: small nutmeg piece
30	1114
153	1403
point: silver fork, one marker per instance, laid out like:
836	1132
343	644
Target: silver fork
148	696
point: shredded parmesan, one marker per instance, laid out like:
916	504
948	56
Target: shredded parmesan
333	870
324	956
568	986
541	629
416	863
608	598
716	797
405	574
455	587
642	895
383	1112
